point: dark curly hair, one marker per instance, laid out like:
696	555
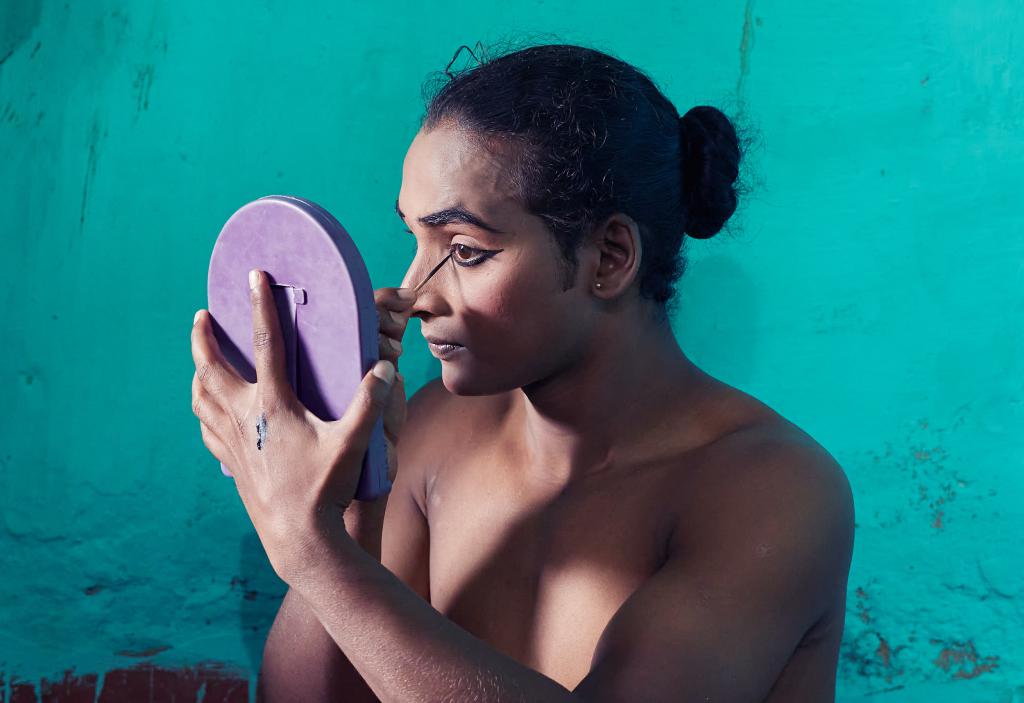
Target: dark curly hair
588	135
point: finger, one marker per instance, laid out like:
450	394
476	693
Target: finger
356	424
206	409
388	348
395	409
267	341
216	446
225	411
216	374
396	299
392	323
392	461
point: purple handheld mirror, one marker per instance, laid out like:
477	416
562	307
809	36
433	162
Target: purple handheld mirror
324	301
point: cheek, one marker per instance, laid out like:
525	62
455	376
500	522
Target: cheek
495	312
518	311
504	302
511	294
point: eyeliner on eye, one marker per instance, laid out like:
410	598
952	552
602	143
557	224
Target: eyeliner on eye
484	255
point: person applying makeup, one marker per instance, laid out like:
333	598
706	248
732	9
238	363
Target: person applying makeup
579	512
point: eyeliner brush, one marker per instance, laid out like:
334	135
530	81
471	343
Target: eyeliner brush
436	269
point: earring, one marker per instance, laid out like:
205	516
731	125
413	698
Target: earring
597	285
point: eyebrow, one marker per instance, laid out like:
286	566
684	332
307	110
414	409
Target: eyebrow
453	214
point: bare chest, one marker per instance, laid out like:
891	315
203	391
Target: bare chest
539	579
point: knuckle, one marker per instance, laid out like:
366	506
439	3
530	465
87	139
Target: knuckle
207	438
209	377
390	344
392	324
388	299
203	372
360	405
365	401
261	338
239	424
269	401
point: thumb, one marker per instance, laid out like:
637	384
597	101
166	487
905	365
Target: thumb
366	407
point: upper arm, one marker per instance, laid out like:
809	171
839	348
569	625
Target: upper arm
405	542
720	623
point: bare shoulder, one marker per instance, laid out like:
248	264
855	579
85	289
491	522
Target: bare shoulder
772	500
421	438
776	464
755	572
761	459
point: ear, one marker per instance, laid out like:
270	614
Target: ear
619	252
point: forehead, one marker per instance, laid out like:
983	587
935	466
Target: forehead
445	167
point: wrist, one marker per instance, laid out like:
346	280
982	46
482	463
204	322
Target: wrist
322	553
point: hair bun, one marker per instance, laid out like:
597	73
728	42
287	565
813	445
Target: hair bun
710	157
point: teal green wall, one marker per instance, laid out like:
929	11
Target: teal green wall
871	292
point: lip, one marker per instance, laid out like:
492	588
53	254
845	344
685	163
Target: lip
440	341
444	353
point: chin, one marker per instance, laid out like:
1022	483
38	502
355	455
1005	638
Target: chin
459	380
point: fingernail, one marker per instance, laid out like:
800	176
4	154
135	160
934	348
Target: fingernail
384	370
406	294
396	345
254	278
393	317
196	318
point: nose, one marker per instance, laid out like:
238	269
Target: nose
410	280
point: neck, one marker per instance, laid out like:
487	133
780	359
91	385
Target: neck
591	414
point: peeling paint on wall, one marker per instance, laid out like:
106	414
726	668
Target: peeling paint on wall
204	683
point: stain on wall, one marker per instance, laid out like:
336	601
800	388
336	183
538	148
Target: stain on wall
206	682
18	20
870	289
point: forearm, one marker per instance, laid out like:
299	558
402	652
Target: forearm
301	661
402	647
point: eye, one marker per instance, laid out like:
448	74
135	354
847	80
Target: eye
465	255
